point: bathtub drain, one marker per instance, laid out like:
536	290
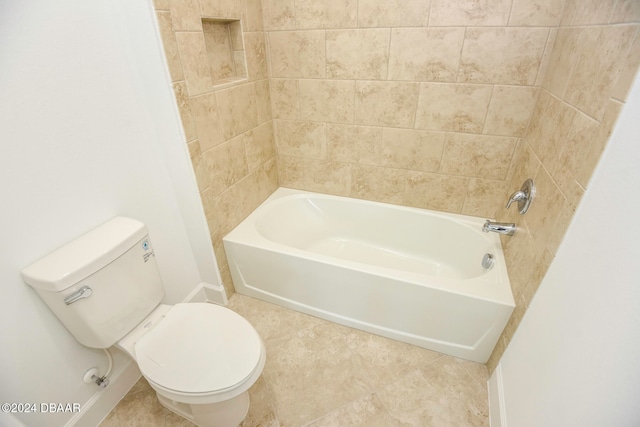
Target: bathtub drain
488	261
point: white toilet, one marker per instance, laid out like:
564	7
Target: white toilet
105	287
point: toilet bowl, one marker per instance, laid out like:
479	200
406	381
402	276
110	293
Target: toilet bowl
200	358
105	287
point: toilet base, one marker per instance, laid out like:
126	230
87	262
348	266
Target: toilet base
229	413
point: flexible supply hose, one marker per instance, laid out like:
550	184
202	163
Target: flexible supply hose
103	381
110	357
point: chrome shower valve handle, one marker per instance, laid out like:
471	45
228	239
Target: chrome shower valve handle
524	196
516	197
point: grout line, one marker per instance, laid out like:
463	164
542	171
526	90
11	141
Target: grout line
444	148
515	27
466	195
510	14
563	11
389	53
326	65
546	56
295	15
486	115
613	9
355	107
464	38
415	113
533	110
338	408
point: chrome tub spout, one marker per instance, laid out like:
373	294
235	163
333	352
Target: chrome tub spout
499	227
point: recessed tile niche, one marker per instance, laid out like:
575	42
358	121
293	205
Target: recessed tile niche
225	50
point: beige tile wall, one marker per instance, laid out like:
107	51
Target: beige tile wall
595	56
228	129
443	104
451	105
413	102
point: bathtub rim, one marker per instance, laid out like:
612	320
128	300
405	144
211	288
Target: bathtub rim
247	231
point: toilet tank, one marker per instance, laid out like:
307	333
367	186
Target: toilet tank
117	264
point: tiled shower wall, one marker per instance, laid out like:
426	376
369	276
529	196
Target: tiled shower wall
595	56
414	102
451	105
228	128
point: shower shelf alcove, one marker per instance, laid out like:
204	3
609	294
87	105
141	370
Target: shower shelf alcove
225	51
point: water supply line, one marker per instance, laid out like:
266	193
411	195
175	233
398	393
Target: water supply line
103	381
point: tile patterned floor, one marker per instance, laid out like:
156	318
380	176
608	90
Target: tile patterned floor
319	373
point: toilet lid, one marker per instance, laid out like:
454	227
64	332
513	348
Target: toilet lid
199	348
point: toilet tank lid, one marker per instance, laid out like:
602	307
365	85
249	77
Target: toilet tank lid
85	255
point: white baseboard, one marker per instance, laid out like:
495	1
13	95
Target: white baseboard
101	403
206	292
497	411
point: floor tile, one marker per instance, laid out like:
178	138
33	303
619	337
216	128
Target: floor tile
440	394
321	374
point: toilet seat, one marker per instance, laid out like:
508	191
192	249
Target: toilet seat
199	350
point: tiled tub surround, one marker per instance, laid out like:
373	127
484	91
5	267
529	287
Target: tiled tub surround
420	111
414	103
319	373
225	107
451	105
595	57
362	98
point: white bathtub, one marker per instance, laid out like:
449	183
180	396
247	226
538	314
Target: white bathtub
409	274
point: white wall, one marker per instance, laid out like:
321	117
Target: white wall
575	358
88	131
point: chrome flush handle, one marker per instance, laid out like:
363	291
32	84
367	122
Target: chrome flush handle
83	292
